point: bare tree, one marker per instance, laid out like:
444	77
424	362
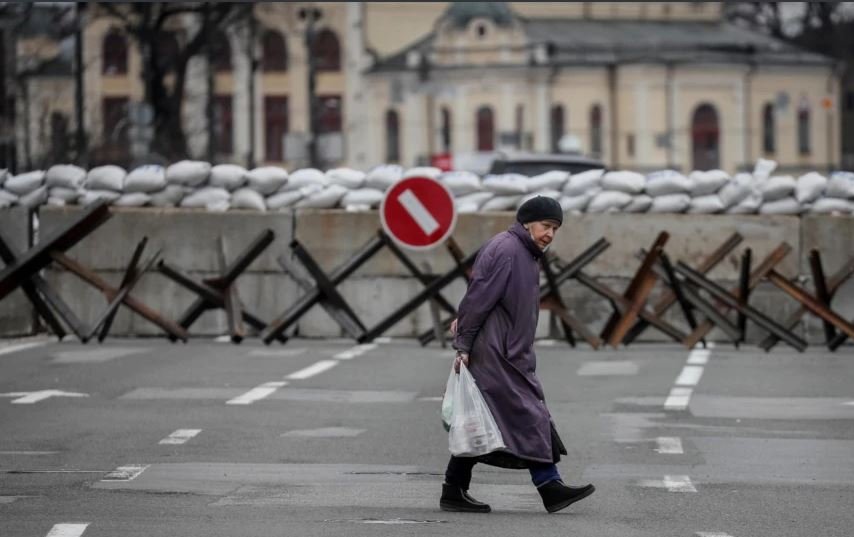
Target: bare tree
151	25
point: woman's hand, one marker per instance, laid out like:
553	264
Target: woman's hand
462	358
453	328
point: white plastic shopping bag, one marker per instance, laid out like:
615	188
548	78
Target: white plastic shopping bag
473	430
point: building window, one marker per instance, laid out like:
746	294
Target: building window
446	130
115	54
392	136
485	129
223	124
769	142
705	136
596	130
557	122
274	52
520	125
220	52
275	127
630	145
327	51
115	125
804	130
329	114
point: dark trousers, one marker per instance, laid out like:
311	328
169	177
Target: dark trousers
459	471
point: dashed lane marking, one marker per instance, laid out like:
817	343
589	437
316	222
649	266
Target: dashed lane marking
312	370
125	473
669	445
355	351
678	398
181	436
673	483
690	375
712	534
67	530
257	393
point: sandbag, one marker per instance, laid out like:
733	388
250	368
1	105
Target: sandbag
4	174
608	201
247	198
810	186
34	199
266	179
461	182
284	199
346	177
188	173
423	171
708	204
553	180
325	199
363	198
737	189
305	177
553	194
623	181
832	205
107	177
8	197
168	197
210	197
764	168
787	205
501	203
671	203
228	176
581	183
748	205
639	204
65	175
68	195
148	178
666	182
840	185
383	176
91	196
777	187
575	204
471	203
24	183
705	183
53	202
133	199
507	184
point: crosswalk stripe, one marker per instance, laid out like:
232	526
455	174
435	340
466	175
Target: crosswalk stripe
257	393
181	436
67	530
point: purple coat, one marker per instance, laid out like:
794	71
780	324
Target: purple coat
496	326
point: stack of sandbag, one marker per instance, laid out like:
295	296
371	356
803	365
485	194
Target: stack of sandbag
837	196
63	182
103	183
579	189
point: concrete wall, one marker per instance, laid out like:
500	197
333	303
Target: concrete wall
189	241
16	314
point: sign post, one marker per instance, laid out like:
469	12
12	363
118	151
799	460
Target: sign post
418	213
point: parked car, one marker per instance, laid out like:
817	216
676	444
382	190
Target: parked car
531	164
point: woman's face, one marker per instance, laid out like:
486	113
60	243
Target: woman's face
543	232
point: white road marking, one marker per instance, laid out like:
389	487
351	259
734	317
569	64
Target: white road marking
849	403
678	398
314	369
358	350
223	339
712	534
28	398
384	339
699	357
257	393
418	212
125	473
673	483
325	432
67	530
690	375
398	521
545	342
21	346
181	436
28	452
430	398
669	445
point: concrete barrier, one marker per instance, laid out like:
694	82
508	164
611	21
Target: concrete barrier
17	317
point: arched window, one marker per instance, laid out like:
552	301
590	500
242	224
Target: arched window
392	136
220	52
166	51
485	129
327	51
705	138
769	142
274	52
596	130
557	126
446	130
804	130
115	54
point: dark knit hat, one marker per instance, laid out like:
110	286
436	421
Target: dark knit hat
539	208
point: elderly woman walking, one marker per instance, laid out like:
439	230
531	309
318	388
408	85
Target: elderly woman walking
494	337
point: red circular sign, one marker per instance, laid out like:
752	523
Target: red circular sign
418	213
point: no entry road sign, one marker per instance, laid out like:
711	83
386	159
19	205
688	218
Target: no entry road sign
418	213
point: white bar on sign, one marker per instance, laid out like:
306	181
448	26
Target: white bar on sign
678	399
690	375
67	530
699	356
180	436
256	393
418	212
314	369
679	483
669	445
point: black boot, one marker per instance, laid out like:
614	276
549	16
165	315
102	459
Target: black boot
557	496
456	499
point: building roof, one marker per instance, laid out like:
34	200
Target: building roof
611	42
461	13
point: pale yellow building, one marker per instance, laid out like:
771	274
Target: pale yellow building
641	85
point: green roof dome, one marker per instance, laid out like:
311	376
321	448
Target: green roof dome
461	13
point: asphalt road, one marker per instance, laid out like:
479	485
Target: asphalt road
146	438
